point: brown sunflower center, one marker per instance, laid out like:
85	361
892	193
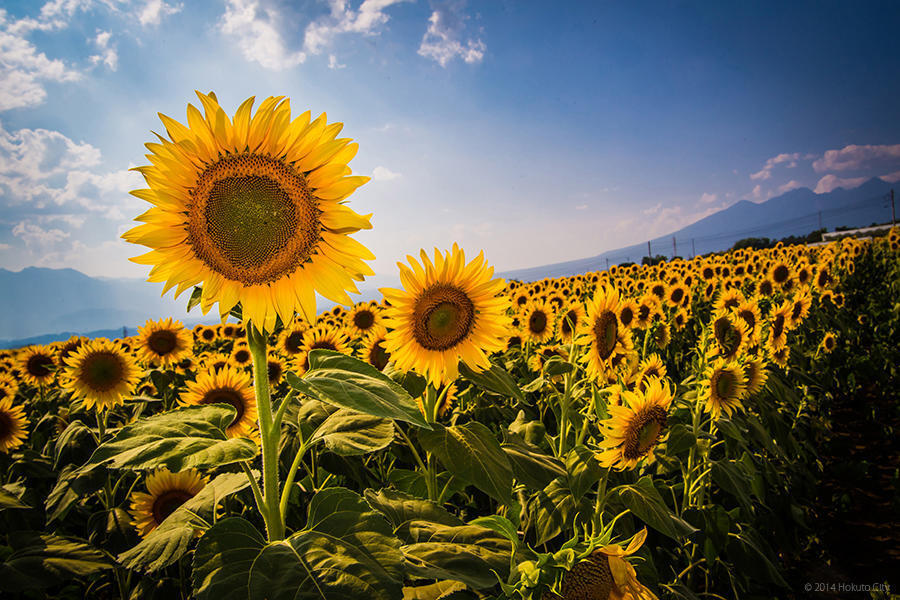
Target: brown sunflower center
765	287
796	311
537	322
242	356
626	316
830	343
780	274
748	317
293	342
724	384
168	502
643	432
276	370
443	316
677	295
39	365
778	326
7	426
606	331
568	323
728	336
589	579
378	356
226	396
363	319
101	371
252	219
162	342
208	335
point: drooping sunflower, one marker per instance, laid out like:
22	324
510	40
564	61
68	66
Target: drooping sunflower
8	386
652	366
226	386
448	311
602	333
755	374
102	373
541	355
781	356
253	208
730	335
324	338
13	425
163	343
167	491
636	427
37	364
537	321
799	308
779	324
606	575
748	312
372	350
570	315
362	319
723	388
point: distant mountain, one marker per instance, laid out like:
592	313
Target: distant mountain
796	212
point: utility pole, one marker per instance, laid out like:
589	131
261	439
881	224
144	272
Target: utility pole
893	219
649	253
693	249
607	263
674	248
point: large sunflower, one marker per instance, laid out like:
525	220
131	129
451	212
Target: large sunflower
101	373
447	310
636	426
13	425
731	334
723	388
602	333
606	575
167	491
164	343
226	386
253	208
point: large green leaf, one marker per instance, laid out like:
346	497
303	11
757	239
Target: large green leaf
468	553
346	552
40	560
168	542
472	453
644	500
222	560
530	464
71	486
348	382
74	444
401	508
680	440
495	379
349	433
583	471
188	437
553	510
731	477
753	558
10	500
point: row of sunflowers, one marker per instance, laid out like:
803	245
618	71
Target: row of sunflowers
640	432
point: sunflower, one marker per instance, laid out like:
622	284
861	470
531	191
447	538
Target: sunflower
448	311
780	356
13	425
69	346
570	315
731	335
37	365
321	337
729	299
290	340
799	309
372	350
723	388
276	367
101	373
254	209
537	321
167	491
652	366
601	332
240	356
635	428
8	386
226	386
748	312
779	324
677	295
362	319
206	334
606	575
541	355
648	310
163	343
755	374
779	273
829	343
628	310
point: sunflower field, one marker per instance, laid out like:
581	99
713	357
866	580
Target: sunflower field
642	432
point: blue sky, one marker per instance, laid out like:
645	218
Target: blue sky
536	131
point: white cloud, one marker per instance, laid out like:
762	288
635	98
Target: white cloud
707	198
853	158
443	42
333	62
257	35
790	185
366	20
581	207
892	177
34	235
383	174
108	55
154	11
830	182
789	160
23	69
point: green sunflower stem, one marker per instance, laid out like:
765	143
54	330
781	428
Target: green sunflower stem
269	434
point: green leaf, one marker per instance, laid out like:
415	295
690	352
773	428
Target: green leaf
467	553
583	471
530	465
74	444
40	560
346	552
680	440
472	453
501	525
495	379
557	366
222	560
348	382
731	477
350	433
9	500
553	510
168	542
188	437
401	508
434	591
411	381
69	489
750	556
644	500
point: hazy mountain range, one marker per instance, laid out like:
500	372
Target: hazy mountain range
41	305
